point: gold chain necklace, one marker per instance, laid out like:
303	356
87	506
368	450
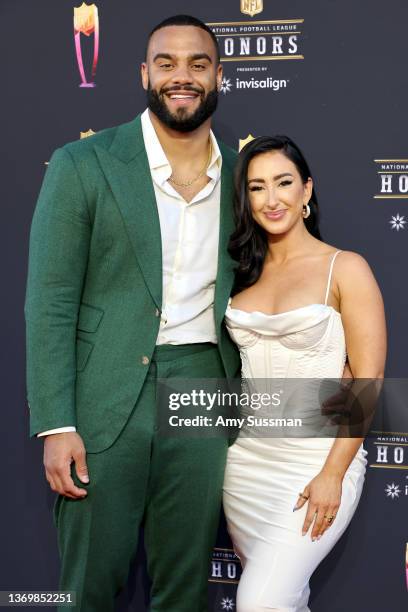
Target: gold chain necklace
188	183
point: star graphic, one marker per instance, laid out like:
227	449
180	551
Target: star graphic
226	85
392	490
227	604
397	222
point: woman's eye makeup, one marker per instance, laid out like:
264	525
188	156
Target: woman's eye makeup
260	187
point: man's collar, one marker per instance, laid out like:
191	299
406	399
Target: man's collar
157	157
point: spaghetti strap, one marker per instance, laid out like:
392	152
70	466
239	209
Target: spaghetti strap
330	277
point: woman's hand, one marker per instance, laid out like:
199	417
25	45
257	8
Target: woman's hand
323	495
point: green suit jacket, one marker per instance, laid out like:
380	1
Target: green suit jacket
94	290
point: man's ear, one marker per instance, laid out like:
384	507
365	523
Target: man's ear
145	76
219	76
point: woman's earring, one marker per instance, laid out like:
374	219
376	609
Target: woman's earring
306	211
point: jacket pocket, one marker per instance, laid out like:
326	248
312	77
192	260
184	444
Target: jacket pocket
83	350
89	318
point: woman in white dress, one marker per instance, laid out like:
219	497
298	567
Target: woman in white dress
300	309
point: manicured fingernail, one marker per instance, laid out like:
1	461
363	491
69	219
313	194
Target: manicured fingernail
295	508
313	539
319	536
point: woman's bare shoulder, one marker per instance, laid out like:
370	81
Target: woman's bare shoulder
353	275
350	262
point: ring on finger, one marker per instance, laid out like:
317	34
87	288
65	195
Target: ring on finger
303	496
329	519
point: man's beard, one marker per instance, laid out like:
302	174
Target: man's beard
180	122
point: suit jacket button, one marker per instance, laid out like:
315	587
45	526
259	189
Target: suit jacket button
157	313
145	360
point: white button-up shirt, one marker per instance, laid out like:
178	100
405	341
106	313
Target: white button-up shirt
189	235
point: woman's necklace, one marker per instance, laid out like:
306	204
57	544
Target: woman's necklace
188	183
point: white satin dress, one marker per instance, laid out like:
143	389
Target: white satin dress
264	476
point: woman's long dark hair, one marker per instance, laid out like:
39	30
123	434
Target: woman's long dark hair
248	244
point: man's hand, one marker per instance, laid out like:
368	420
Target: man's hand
60	450
347	373
335	404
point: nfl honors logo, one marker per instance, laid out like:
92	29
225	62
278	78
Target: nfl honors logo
393	175
251	7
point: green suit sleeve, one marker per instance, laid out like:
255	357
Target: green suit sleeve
58	254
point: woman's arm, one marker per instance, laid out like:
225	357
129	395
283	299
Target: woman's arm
362	313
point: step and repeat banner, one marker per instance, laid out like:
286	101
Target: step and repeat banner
329	74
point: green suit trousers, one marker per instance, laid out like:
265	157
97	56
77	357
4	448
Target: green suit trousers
171	486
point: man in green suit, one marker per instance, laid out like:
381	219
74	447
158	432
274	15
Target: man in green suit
129	278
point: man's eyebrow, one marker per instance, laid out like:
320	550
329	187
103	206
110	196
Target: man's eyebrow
200	56
162	56
193	58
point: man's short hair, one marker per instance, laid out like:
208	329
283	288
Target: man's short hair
185	20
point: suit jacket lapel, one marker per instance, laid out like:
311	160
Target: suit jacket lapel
225	271
126	168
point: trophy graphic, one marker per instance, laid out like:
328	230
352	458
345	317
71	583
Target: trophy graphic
87	134
86	21
244	141
406	564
